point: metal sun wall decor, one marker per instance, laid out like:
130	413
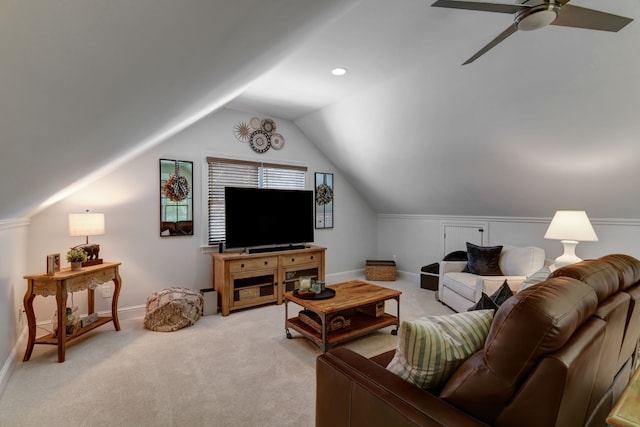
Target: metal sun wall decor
324	200
260	134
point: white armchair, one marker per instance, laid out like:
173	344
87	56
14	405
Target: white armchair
461	290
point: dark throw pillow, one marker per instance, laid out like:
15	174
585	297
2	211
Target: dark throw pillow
483	260
494	301
455	256
484	303
501	295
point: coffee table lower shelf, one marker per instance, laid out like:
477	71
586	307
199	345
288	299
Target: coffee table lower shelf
361	324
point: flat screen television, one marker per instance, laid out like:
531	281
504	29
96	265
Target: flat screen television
258	217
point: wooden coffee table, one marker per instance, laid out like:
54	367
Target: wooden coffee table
349	298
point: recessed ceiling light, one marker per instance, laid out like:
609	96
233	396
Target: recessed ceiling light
339	71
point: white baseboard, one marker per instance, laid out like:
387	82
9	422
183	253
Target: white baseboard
128	312
359	274
11	362
343	276
414	277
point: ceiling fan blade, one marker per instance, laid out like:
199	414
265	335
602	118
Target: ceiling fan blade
481	6
506	33
581	17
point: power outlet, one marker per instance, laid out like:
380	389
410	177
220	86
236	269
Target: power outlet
107	291
20	313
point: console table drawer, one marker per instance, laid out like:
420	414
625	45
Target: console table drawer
297	259
253	264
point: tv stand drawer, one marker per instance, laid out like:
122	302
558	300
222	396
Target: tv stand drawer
301	258
250	264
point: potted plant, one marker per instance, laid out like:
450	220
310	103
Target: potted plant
76	256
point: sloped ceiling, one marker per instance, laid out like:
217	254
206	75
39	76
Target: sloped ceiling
544	121
87	84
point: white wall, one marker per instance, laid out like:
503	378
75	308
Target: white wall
416	240
129	198
13	255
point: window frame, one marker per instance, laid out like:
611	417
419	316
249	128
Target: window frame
208	245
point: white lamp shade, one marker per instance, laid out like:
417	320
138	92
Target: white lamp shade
86	224
571	225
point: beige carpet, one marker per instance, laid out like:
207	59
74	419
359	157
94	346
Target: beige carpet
238	370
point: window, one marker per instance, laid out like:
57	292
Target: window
239	173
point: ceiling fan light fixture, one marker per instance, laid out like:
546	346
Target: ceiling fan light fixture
537	17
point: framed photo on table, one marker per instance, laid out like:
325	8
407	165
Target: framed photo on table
324	200
53	264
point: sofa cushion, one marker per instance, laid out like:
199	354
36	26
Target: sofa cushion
431	348
596	273
521	261
483	260
628	269
535	278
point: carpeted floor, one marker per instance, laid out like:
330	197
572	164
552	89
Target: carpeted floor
238	370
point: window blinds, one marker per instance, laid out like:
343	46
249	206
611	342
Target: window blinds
237	173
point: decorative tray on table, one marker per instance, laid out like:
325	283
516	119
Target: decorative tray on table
325	294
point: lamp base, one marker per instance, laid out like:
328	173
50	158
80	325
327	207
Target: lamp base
569	255
92	262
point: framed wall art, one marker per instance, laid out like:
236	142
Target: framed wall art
324	200
176	198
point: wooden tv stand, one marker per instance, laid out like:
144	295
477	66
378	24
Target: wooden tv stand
247	280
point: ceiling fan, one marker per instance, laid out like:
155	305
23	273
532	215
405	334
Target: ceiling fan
533	14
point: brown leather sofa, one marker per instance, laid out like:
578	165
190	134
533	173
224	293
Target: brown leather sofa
558	354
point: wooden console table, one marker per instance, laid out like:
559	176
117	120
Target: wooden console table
60	284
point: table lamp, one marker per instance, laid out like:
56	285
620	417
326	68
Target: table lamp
87	224
570	227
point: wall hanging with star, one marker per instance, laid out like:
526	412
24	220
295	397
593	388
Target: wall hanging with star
260	134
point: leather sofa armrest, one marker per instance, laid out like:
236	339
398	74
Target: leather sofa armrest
352	390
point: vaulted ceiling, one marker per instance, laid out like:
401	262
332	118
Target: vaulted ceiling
545	120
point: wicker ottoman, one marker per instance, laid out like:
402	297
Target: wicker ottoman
172	309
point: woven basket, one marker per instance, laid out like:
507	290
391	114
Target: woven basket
248	293
380	270
312	319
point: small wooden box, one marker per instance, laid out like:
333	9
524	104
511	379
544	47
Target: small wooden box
373	310
380	270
